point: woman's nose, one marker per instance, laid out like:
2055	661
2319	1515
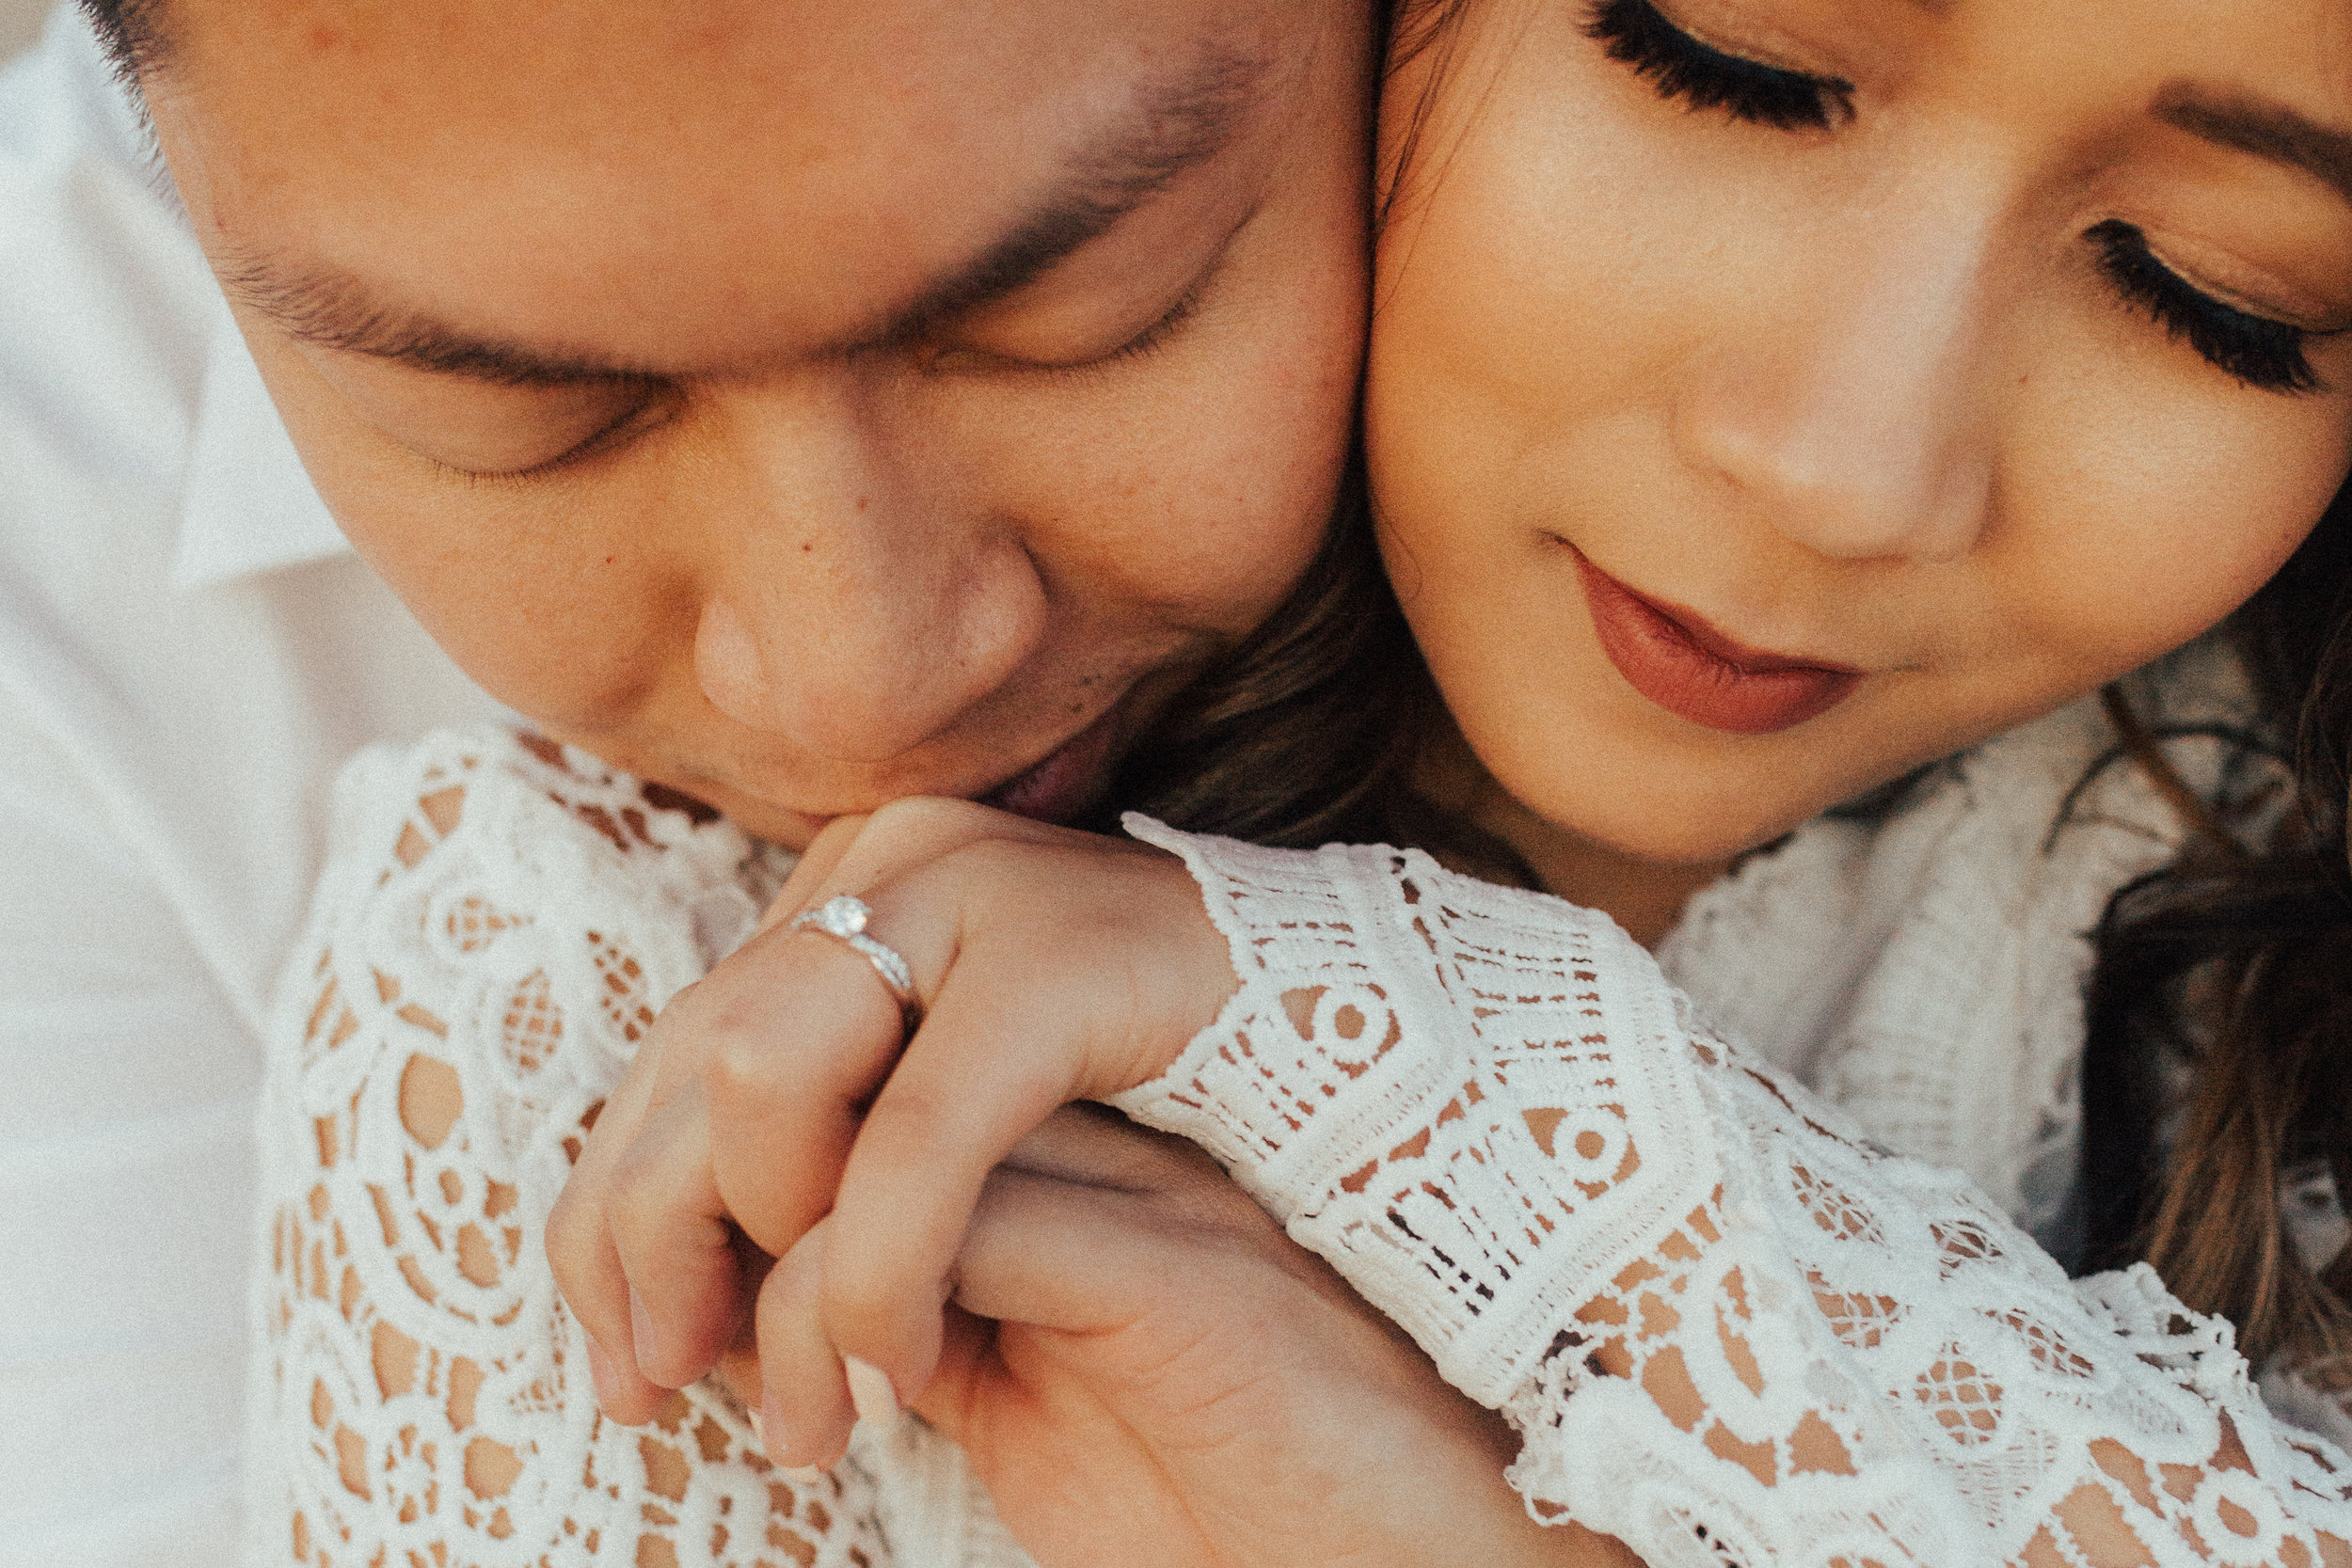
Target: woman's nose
1855	416
864	604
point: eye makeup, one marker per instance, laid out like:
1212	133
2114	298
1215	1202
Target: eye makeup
2262	353
2269	355
1681	67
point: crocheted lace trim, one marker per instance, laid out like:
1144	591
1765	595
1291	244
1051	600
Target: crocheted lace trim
1729	1329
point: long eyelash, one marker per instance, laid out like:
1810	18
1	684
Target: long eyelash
1680	67
2264	353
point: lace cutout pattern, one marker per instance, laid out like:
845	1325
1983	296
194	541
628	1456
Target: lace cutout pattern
500	923
1729	1329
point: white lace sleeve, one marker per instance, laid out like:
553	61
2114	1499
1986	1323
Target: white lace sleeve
1728	1329
499	923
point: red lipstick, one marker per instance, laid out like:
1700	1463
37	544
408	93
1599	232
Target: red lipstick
1675	659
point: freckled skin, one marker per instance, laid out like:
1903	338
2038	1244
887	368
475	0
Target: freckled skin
791	582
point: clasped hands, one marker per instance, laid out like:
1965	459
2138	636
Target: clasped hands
777	1110
1142	1368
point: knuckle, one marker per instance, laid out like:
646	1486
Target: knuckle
568	1224
993	860
856	1302
1045	881
739	1064
637	1215
906	1123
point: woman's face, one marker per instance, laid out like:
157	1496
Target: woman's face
802	404
1769	396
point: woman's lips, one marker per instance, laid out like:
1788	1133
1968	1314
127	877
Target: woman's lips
1067	779
1676	659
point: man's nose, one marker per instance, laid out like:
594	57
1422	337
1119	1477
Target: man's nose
1855	414
867	599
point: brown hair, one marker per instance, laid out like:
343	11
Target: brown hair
2219	1057
1309	732
1295	737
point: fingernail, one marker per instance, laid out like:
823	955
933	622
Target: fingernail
600	1372
641	1329
870	1391
767	1419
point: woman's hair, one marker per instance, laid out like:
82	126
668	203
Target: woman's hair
1309	732
2219	1053
1296	737
2219	1058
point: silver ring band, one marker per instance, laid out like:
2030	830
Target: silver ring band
843	920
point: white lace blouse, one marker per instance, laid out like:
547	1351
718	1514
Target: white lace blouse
1731	1327
504	917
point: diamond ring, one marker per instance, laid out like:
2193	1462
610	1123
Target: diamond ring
843	920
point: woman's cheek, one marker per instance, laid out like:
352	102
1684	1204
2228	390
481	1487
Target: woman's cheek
2145	521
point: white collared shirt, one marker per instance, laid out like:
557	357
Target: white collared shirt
187	650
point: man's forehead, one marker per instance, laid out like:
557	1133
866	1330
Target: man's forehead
809	78
451	150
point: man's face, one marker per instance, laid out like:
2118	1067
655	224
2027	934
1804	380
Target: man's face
802	404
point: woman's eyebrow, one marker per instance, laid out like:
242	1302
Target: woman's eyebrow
2267	130
1172	127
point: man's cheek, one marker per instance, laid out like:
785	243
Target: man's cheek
563	644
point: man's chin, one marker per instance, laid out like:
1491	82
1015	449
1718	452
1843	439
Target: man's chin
1059	788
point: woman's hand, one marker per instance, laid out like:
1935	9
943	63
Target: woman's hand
1145	1370
782	1090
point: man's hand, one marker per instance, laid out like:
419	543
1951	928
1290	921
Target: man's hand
1147	1372
781	1091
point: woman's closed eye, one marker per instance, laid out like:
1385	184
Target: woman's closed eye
2262	352
1703	77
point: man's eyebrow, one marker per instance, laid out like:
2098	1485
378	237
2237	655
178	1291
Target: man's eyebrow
2264	129
332	310
1174	126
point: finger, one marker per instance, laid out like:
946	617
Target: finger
790	1064
594	1288
1094	1146
801	1032
805	1410
676	1246
1074	1259
579	1245
894	840
815	869
739	1369
965	1093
